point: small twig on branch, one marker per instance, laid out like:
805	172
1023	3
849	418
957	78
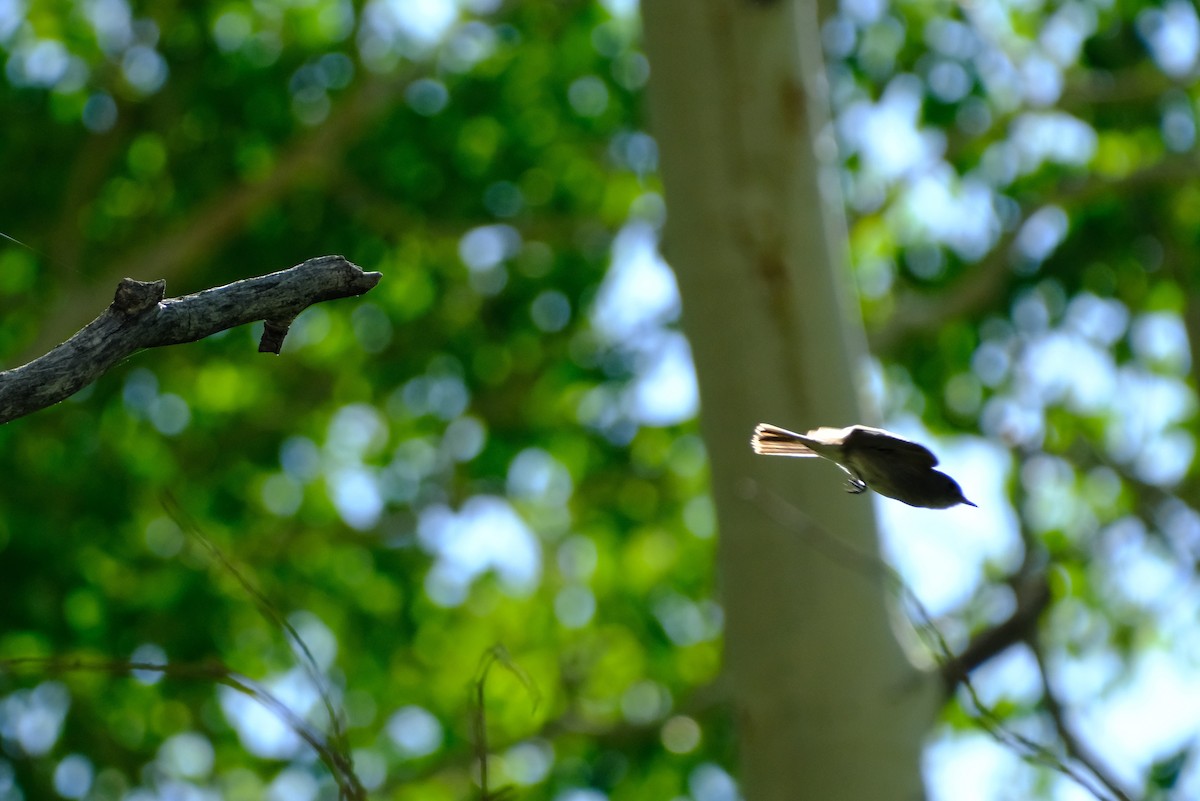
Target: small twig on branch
1033	597
140	318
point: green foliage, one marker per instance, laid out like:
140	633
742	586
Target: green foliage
1021	232
249	137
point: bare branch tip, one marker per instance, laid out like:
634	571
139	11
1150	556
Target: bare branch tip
359	278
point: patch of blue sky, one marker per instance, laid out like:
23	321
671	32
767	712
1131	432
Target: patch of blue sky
1172	34
261	731
639	292
942	555
886	134
485	534
634	309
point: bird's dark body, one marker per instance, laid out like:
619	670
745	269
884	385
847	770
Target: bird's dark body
872	457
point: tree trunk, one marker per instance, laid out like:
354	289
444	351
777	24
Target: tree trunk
828	706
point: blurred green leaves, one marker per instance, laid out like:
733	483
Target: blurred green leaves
206	144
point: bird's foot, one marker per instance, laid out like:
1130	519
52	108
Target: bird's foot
856	486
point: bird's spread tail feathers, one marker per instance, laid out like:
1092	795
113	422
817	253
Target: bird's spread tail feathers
775	441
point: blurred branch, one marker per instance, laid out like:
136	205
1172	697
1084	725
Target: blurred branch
140	318
232	208
335	757
979	288
1028	582
1073	745
272	614
91	165
497	654
1179	264
1033	596
1143	82
991	722
390	219
333	748
923	313
704	704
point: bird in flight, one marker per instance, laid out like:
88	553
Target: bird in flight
873	458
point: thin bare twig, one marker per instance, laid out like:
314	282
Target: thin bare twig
333	749
496	654
872	566
1075	747
1032	591
268	610
335	759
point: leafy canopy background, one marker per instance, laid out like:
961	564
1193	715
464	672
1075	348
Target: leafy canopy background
442	466
472	453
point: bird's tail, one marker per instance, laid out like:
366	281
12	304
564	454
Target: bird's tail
775	441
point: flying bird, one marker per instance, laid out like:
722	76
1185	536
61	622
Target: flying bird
873	458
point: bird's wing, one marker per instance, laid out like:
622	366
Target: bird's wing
880	440
775	441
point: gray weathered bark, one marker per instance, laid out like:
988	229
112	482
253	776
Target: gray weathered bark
140	318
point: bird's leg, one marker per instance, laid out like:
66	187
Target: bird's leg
854	484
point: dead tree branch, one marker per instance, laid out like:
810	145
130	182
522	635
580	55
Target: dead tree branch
139	318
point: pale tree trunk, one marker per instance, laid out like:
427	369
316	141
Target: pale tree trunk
827	705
